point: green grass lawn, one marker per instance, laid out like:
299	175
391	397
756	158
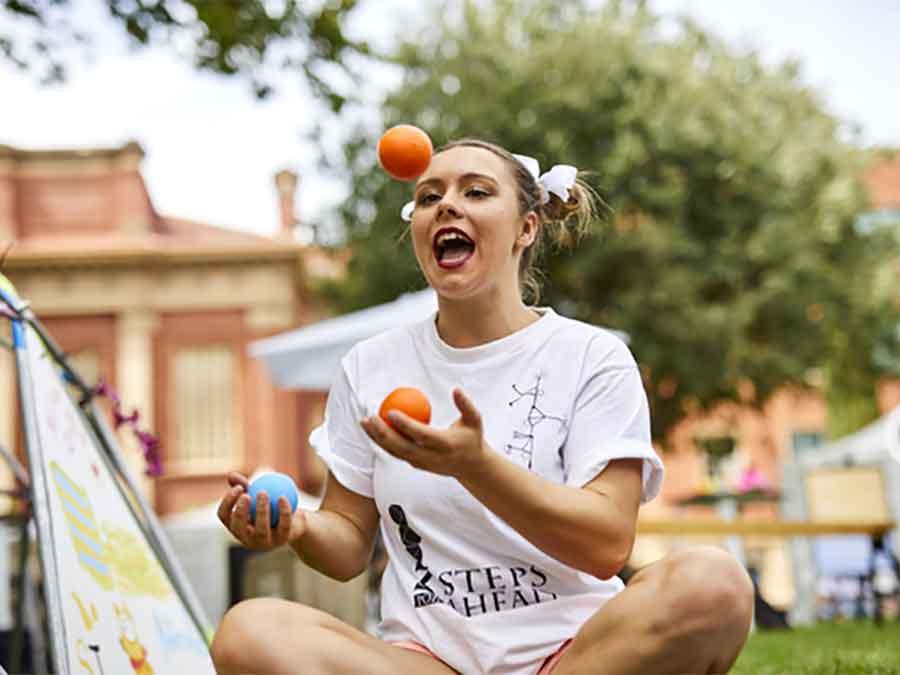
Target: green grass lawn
852	648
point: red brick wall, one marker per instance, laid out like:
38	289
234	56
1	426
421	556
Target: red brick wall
72	334
883	182
65	206
270	416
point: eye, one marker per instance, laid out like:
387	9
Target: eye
428	198
477	193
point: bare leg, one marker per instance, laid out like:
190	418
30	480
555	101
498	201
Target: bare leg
687	613
266	636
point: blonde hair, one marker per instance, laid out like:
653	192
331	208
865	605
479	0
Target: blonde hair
562	223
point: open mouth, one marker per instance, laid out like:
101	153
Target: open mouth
452	247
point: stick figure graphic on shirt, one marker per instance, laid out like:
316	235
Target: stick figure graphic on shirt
423	594
523	442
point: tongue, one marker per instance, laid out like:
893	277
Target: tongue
454	256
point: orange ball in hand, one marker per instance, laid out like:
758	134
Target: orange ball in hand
408	400
404	151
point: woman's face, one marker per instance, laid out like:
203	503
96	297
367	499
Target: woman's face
467	231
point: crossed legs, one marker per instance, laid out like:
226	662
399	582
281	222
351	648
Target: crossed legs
690	612
687	613
266	636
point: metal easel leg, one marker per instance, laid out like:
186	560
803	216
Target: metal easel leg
17	640
35	629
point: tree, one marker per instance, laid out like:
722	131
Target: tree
226	36
732	253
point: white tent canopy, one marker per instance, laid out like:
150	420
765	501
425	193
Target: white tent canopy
875	442
308	358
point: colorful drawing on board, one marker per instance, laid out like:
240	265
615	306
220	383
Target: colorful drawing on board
174	637
82	527
89	618
135	570
128	638
86	653
85	660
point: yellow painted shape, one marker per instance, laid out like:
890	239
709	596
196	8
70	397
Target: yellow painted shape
85	617
136	569
71	501
105	581
130	642
84	664
7	286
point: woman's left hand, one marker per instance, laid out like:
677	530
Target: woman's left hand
455	451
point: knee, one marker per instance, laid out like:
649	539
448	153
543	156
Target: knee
704	591
251	631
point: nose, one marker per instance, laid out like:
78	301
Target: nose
447	209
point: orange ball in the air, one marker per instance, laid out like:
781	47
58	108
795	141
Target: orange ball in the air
404	151
408	400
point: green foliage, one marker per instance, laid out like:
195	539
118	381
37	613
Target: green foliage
732	252
227	36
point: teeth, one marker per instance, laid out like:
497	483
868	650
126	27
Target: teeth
448	237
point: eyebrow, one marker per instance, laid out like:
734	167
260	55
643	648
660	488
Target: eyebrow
466	176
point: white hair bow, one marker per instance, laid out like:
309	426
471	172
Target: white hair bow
558	181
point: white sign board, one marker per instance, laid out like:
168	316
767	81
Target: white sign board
121	613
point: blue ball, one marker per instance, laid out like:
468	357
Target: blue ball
275	485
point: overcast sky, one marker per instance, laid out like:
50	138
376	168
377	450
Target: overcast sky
212	148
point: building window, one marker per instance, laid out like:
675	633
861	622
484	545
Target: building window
806	441
207	427
879	219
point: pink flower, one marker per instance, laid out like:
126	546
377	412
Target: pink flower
752	479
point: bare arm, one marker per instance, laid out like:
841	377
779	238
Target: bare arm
590	528
339	536
335	540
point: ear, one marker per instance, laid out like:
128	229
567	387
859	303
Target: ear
528	232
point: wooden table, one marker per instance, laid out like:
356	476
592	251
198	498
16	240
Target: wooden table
741	527
729	506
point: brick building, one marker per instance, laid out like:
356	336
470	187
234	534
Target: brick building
162	308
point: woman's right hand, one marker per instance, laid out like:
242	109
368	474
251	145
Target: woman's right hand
234	512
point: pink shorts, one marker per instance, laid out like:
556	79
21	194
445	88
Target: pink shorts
546	667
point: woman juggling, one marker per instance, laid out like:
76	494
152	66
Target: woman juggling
507	518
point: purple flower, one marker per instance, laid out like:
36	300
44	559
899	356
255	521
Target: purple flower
148	442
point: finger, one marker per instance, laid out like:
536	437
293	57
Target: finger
226	506
236	478
283	531
420	434
240	518
468	412
262	529
378	430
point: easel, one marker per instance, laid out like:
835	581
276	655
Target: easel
22	318
25	614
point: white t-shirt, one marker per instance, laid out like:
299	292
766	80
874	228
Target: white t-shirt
559	397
